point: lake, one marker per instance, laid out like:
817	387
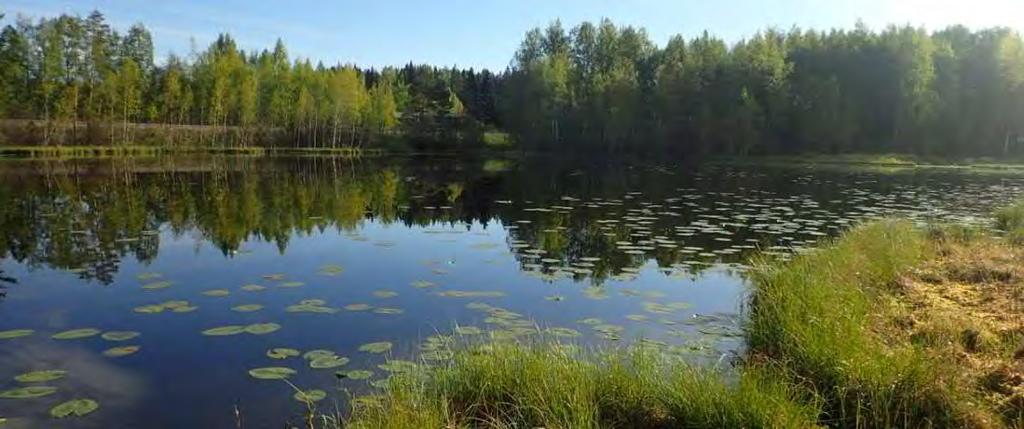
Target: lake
165	281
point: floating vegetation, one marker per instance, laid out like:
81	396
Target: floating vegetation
310	396
385	294
217	292
271	373
28	392
595	292
637	317
254	288
358	307
470	294
656	308
378	347
316	354
388	310
273	277
163	284
76	408
148	276
327	362
41	376
331	270
282	353
174	306
119	335
554	298
262	328
382	383
397	366
468	330
311	306
247	308
291	284
16	333
358	374
75	334
591	321
121	351
422	284
224	331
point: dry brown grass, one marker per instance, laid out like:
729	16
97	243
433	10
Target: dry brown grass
966	305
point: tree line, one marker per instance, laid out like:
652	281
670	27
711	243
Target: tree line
599	88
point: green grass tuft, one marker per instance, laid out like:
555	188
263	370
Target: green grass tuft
551	386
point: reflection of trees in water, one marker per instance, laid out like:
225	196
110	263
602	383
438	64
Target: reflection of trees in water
75	220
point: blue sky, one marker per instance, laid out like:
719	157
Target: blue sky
484	33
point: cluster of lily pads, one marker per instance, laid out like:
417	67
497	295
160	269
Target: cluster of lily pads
31	387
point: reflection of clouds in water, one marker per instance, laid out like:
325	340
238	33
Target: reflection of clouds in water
90	375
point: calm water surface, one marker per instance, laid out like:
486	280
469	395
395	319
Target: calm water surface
330	254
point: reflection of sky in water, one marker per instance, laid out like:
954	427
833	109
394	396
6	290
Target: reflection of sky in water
181	378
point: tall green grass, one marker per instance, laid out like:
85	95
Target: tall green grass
551	386
814	316
1011	219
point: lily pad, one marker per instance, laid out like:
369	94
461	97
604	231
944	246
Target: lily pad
563	332
310	396
253	288
358	374
291	284
217	292
77	408
119	335
273	277
385	294
304	307
470	294
262	328
468	330
75	334
247	308
15	333
41	376
328	362
387	310
28	392
121	351
317	354
331	270
271	373
148	276
378	347
149	309
164	284
282	353
358	307
224	331
421	284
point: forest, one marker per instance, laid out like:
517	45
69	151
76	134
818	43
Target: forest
599	88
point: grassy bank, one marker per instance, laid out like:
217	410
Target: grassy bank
890	326
127	151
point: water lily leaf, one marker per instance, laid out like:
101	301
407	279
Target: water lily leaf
28	392
75	334
310	396
262	328
148	276
326	362
271	373
77	408
15	333
149	309
163	284
359	374
185	309
273	277
41	376
358	307
282	353
224	330
318	353
247	308
331	270
387	310
310	308
421	284
291	284
253	288
121	351
378	347
119	335
396	366
217	292
470	294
